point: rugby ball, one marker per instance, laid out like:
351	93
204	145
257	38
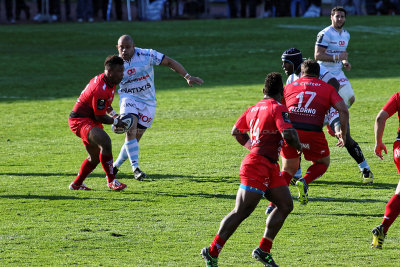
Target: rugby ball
128	120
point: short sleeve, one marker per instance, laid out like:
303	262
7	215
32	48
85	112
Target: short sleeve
322	39
156	57
391	106
281	117
241	123
99	102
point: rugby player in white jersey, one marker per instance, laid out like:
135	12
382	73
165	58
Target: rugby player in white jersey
330	51
137	95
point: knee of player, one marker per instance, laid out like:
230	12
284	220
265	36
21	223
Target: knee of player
352	100
93	159
285	207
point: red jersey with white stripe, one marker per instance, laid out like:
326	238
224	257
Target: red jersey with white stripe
95	98
393	106
265	121
308	99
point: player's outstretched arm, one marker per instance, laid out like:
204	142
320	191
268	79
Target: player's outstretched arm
177	67
344	121
379	128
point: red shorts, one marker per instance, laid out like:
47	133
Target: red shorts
396	155
82	126
258	172
314	146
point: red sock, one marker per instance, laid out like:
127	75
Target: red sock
216	246
315	171
86	169
287	177
107	163
266	244
392	210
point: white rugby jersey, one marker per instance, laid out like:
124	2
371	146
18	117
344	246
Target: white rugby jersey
138	81
324	75
334	42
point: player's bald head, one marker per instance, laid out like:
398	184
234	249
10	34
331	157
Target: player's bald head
126	47
125	38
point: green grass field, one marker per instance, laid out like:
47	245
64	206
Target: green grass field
191	159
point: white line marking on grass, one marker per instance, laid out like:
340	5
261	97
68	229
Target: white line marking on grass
391	30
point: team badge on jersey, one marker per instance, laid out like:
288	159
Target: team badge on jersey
319	38
101	104
285	117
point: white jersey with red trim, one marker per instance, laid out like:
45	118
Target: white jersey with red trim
335	42
138	81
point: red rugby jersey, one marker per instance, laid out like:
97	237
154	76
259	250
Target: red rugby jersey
393	106
95	98
265	121
308	99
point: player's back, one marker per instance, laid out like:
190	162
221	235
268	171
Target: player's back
308	99
261	119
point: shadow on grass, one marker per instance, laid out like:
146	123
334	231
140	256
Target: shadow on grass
375	185
38	174
344	200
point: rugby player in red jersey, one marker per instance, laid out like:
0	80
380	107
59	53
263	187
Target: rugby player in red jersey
392	209
87	117
308	99
268	122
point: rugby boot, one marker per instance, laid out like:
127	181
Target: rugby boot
116	185
264	257
367	177
378	236
210	261
73	186
138	174
302	187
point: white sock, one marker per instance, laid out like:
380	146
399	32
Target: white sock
123	155
363	165
132	147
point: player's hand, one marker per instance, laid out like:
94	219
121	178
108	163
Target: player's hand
346	65
194	80
378	150
341	139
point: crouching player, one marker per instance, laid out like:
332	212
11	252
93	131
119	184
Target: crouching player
267	121
392	209
87	117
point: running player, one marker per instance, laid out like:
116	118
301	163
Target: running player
330	51
267	121
87	117
392	209
137	95
308	100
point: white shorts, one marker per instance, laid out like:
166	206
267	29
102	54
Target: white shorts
331	116
144	112
345	91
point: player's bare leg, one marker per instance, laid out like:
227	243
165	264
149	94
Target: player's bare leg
246	202
282	198
289	169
